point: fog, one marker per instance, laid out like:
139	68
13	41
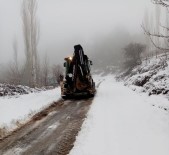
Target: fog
102	27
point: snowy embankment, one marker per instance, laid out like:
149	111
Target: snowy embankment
12	90
123	122
152	76
17	110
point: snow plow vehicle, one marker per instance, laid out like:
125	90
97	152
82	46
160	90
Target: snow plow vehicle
77	80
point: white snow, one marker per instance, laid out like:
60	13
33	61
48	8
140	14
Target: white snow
22	108
123	122
151	76
54	126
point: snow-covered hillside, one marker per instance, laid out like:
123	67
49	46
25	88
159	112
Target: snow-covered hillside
123	122
152	76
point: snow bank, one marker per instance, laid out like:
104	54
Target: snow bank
122	122
12	90
17	110
151	76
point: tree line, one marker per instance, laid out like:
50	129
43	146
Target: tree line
33	72
156	36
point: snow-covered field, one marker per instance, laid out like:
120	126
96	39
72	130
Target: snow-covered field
16	110
124	122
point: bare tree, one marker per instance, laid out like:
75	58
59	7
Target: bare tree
57	72
15	48
167	25
147	25
133	53
31	39
45	71
14	75
164	3
157	28
159	35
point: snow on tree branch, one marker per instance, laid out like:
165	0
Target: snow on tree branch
164	3
155	35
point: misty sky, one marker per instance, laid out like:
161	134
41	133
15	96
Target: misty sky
64	23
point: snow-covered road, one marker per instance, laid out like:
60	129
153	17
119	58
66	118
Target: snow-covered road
123	122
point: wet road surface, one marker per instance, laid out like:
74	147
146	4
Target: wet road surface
50	132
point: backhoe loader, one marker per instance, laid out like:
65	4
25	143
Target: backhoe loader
78	79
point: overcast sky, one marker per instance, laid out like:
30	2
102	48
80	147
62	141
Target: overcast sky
64	23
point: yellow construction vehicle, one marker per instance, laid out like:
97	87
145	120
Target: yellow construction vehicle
77	80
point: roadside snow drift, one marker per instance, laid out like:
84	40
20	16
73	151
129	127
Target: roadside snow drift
152	76
17	110
12	90
122	122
